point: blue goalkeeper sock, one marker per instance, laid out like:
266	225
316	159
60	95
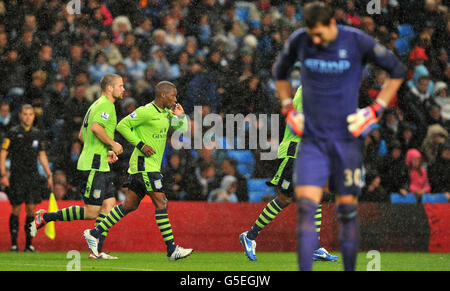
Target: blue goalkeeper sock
348	234
306	233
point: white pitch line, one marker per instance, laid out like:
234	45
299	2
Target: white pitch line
64	266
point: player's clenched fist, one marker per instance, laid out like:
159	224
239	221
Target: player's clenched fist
294	119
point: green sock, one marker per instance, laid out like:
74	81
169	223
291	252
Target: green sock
318	220
267	215
66	214
102	237
162	220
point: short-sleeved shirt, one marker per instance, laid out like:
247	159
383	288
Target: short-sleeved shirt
23	148
149	124
94	155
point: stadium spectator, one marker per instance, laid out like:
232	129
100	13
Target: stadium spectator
381	77
226	192
53	114
44	62
100	68
13	83
174	38
390	123
439	63
436	135
200	181
107	47
229	168
77	62
135	66
6	120
372	191
175	177
75	108
375	147
418	175
35	95
231	50
120	27
442	98
407	137
160	63
393	171
439	171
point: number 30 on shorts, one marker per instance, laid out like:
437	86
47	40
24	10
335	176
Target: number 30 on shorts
352	178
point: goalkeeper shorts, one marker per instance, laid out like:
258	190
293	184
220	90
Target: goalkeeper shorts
338	162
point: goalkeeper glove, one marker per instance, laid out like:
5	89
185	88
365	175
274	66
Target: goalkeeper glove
364	120
294	119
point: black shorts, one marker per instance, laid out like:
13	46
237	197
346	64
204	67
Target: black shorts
146	182
96	186
26	189
284	176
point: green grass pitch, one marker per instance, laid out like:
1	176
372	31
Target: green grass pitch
215	261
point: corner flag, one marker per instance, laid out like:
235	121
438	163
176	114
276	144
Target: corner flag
52	207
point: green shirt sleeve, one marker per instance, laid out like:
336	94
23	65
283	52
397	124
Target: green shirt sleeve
103	114
126	125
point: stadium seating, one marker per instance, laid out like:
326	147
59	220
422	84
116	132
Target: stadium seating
399	198
402	47
245	159
406	32
434	198
245	170
257	189
242	14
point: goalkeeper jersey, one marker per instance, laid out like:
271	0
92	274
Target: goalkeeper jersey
331	77
149	124
289	145
94	155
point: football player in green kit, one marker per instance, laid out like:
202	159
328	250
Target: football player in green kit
146	129
99	150
287	152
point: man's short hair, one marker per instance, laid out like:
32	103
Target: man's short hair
108	79
233	162
317	12
164	87
26	106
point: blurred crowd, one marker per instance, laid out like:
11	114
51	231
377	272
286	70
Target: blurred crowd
219	53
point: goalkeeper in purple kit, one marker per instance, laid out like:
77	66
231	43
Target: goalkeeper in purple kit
332	60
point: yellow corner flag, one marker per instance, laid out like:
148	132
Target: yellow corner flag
52	207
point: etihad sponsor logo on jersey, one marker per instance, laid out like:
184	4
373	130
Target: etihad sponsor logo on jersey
327	67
